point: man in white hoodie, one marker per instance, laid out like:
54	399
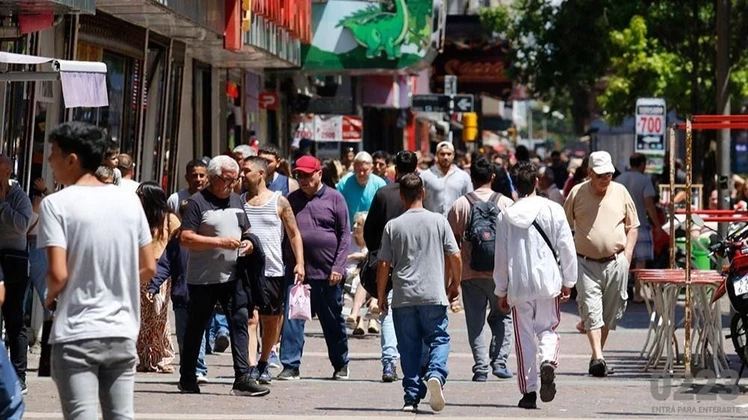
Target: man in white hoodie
534	270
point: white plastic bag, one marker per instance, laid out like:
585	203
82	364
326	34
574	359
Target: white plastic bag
300	302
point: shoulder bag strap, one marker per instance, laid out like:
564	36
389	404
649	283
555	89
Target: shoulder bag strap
545	238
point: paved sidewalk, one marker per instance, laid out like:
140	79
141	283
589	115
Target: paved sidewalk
630	393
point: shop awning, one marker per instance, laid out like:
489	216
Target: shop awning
83	82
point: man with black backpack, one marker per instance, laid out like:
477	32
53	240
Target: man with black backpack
536	266
473	221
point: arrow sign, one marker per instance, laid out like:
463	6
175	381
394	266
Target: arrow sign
465	104
442	103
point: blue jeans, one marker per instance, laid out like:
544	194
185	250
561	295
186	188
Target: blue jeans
476	295
180	319
327	303
388	338
38	274
217	325
416	327
11	400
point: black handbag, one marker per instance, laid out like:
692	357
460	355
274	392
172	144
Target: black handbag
368	275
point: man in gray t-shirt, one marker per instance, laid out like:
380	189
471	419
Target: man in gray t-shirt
415	245
641	189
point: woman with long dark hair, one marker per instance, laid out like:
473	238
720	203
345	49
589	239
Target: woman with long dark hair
501	183
155	350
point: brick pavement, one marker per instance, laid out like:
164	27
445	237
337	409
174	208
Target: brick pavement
627	394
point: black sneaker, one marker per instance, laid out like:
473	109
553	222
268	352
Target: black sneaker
341	373
248	387
389	372
188	387
529	401
222	343
410	408
24	387
598	368
547	384
480	377
289	374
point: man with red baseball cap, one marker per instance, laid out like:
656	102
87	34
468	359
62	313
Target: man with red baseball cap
322	217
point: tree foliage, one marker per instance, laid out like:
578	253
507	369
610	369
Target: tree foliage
615	51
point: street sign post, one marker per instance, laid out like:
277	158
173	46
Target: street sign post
450	85
651	121
443	103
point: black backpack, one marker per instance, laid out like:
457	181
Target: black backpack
481	231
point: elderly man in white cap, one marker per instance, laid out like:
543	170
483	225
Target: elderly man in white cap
444	182
604	219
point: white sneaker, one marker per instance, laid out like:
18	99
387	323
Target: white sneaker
201	379
436	400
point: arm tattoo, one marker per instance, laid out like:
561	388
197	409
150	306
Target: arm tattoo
287	216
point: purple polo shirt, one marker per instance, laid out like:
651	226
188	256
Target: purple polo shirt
325	232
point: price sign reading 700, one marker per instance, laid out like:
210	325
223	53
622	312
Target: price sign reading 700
650	124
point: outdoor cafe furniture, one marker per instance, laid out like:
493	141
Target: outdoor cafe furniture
664	286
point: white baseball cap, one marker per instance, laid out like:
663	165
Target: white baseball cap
601	163
445	144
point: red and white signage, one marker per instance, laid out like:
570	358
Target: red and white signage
268	100
353	129
327	128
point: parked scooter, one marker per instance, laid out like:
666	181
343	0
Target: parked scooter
735	284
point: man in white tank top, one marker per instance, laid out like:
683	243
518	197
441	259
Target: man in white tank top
270	216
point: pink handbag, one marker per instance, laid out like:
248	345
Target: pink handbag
300	302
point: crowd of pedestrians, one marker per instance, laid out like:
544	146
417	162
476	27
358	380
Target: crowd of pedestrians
406	238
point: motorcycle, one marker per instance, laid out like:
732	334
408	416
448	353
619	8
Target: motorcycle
735	284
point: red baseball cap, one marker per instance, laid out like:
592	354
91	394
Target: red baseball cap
307	164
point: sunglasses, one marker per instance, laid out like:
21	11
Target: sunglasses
301	175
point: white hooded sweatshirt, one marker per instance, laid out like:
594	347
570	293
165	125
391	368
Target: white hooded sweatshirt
525	268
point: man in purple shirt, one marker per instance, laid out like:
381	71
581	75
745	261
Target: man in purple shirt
322	217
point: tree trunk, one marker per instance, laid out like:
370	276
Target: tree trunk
580	110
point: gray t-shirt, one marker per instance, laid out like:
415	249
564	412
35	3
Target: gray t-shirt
208	215
102	228
639	187
415	244
443	190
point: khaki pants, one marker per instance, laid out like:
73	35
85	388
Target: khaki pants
601	289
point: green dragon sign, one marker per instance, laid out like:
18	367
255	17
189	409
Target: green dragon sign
354	35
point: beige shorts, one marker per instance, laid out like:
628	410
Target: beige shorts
601	292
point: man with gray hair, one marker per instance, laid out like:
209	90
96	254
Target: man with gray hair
358	188
215	231
242	152
15	214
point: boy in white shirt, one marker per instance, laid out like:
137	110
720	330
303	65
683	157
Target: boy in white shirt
534	270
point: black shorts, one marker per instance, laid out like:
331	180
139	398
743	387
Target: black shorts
275	295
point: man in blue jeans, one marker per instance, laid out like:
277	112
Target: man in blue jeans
385	207
11	400
415	245
322	218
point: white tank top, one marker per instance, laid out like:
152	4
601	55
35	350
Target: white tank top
266	224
